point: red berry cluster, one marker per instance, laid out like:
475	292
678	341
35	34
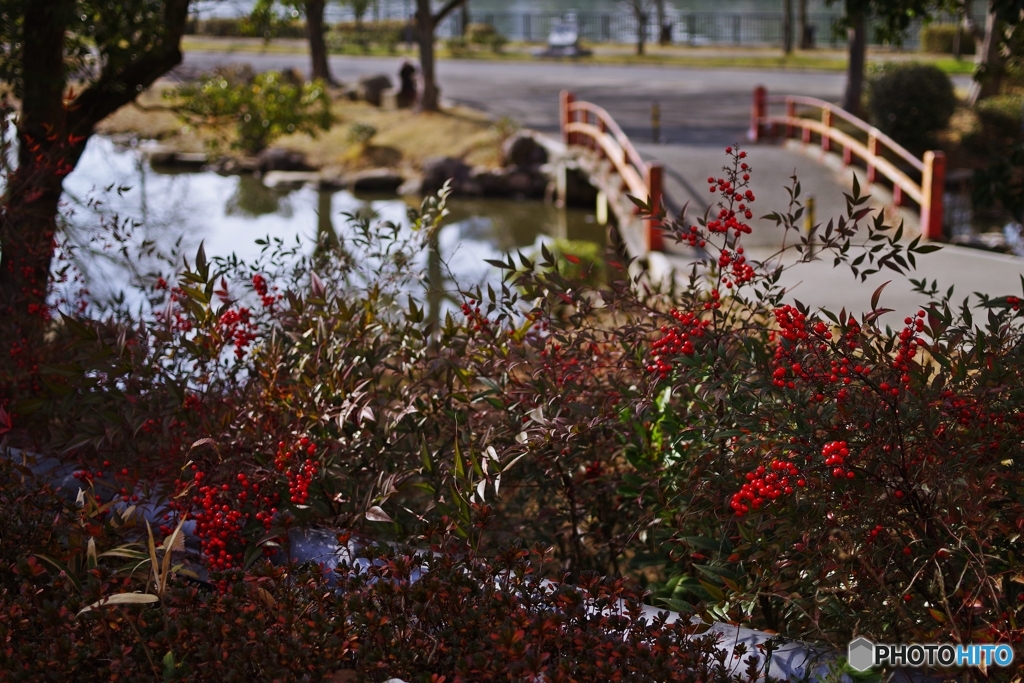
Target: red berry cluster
835	454
909	341
218	526
237	325
1013	302
476	319
740	271
303	473
676	339
764	486
730	219
259	284
799	356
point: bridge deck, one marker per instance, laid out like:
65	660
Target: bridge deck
687	168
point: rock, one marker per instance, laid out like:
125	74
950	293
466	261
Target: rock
333	178
438	170
527	184
370	88
231	165
290	178
521	149
412	186
169	158
492	182
375	180
389	99
510	182
277	159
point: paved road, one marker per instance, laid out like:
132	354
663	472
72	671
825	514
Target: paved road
703	110
699	106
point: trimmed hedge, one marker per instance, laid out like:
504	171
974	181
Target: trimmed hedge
938	39
910	102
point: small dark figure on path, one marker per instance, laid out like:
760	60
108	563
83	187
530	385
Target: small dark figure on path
407	90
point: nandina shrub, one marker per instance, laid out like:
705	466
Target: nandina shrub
319	389
817	474
624	424
449	614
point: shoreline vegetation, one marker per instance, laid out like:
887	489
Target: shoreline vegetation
401	139
824	59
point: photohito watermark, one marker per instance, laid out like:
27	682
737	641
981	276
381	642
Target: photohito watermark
862	654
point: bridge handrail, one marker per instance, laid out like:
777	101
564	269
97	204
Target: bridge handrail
927	193
585	121
883	139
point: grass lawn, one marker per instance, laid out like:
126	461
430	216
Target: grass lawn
403	140
824	59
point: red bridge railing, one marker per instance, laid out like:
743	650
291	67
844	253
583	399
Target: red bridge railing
876	153
588	125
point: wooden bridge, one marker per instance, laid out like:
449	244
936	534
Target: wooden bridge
617	170
612	164
885	161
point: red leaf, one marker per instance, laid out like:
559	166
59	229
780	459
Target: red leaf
572	259
5	421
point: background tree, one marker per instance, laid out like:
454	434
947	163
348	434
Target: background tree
428	21
999	39
891	19
313	12
113	49
664	31
641	10
359	9
804	27
787	26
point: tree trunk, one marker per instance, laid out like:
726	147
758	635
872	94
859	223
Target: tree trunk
663	35
988	60
431	98
321	68
51	139
803	27
855	70
641	30
465	18
787	26
28	219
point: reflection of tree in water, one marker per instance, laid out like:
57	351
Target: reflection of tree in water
252	199
511	225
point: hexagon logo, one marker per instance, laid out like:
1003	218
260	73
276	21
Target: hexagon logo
861	654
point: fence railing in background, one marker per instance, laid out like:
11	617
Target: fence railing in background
688	28
881	155
588	125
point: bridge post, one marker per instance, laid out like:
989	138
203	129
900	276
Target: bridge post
790	114
826	120
567	99
872	152
758	113
933	184
655	180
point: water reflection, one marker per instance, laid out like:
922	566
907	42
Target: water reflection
174	212
252	198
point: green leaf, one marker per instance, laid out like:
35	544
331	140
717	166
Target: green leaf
676	604
714	591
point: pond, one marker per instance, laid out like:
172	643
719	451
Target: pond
114	188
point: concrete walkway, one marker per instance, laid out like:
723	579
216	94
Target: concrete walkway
819	284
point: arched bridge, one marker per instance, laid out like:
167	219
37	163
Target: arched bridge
830	139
